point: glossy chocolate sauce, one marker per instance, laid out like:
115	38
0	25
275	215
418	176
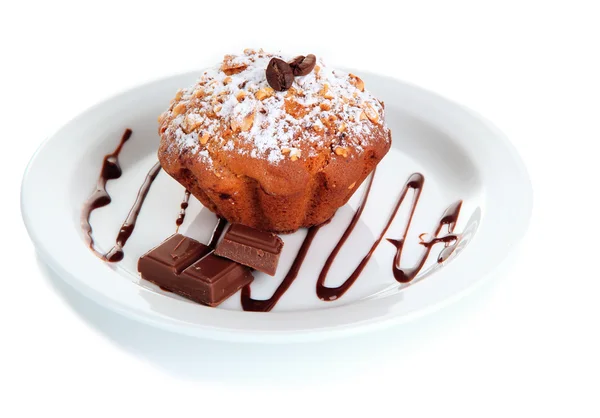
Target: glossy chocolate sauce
403	275
111	170
116	252
449	218
184	205
249	304
415	182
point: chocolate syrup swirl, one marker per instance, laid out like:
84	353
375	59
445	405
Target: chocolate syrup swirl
111	170
403	275
116	252
449	218
254	305
184	205
415	182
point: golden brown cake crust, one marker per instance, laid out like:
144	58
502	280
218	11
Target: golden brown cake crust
272	160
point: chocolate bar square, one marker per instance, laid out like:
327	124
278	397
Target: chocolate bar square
251	247
171	257
213	279
188	268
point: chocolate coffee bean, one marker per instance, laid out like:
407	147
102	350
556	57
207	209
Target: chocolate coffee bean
279	74
303	65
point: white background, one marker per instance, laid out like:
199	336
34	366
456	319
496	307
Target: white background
524	344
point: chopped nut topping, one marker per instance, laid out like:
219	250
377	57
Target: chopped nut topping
343	151
329	122
204	138
198	94
325	106
325	92
217	108
342	127
179	109
227	80
357	82
227	133
352	186
285	150
295	154
240	96
231	68
235	125
291	92
248	122
264	93
190	123
295	109
178	95
243	125
371	113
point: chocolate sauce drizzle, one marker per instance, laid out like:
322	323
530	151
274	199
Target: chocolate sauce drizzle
111	170
184	205
116	253
254	305
449	218
403	275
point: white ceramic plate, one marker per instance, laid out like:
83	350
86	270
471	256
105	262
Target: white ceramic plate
461	156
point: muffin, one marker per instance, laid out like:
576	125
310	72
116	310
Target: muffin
271	141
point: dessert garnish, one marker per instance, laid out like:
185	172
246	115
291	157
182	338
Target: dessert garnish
116	252
303	65
215	279
188	268
251	247
111	170
279	74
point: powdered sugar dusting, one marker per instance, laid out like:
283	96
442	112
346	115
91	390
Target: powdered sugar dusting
231	107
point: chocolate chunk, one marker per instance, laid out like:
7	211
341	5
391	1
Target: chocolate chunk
171	257
213	279
279	74
303	65
188	268
251	247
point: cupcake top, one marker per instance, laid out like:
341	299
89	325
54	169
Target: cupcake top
232	108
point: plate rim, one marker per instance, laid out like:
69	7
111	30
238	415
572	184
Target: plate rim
281	335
